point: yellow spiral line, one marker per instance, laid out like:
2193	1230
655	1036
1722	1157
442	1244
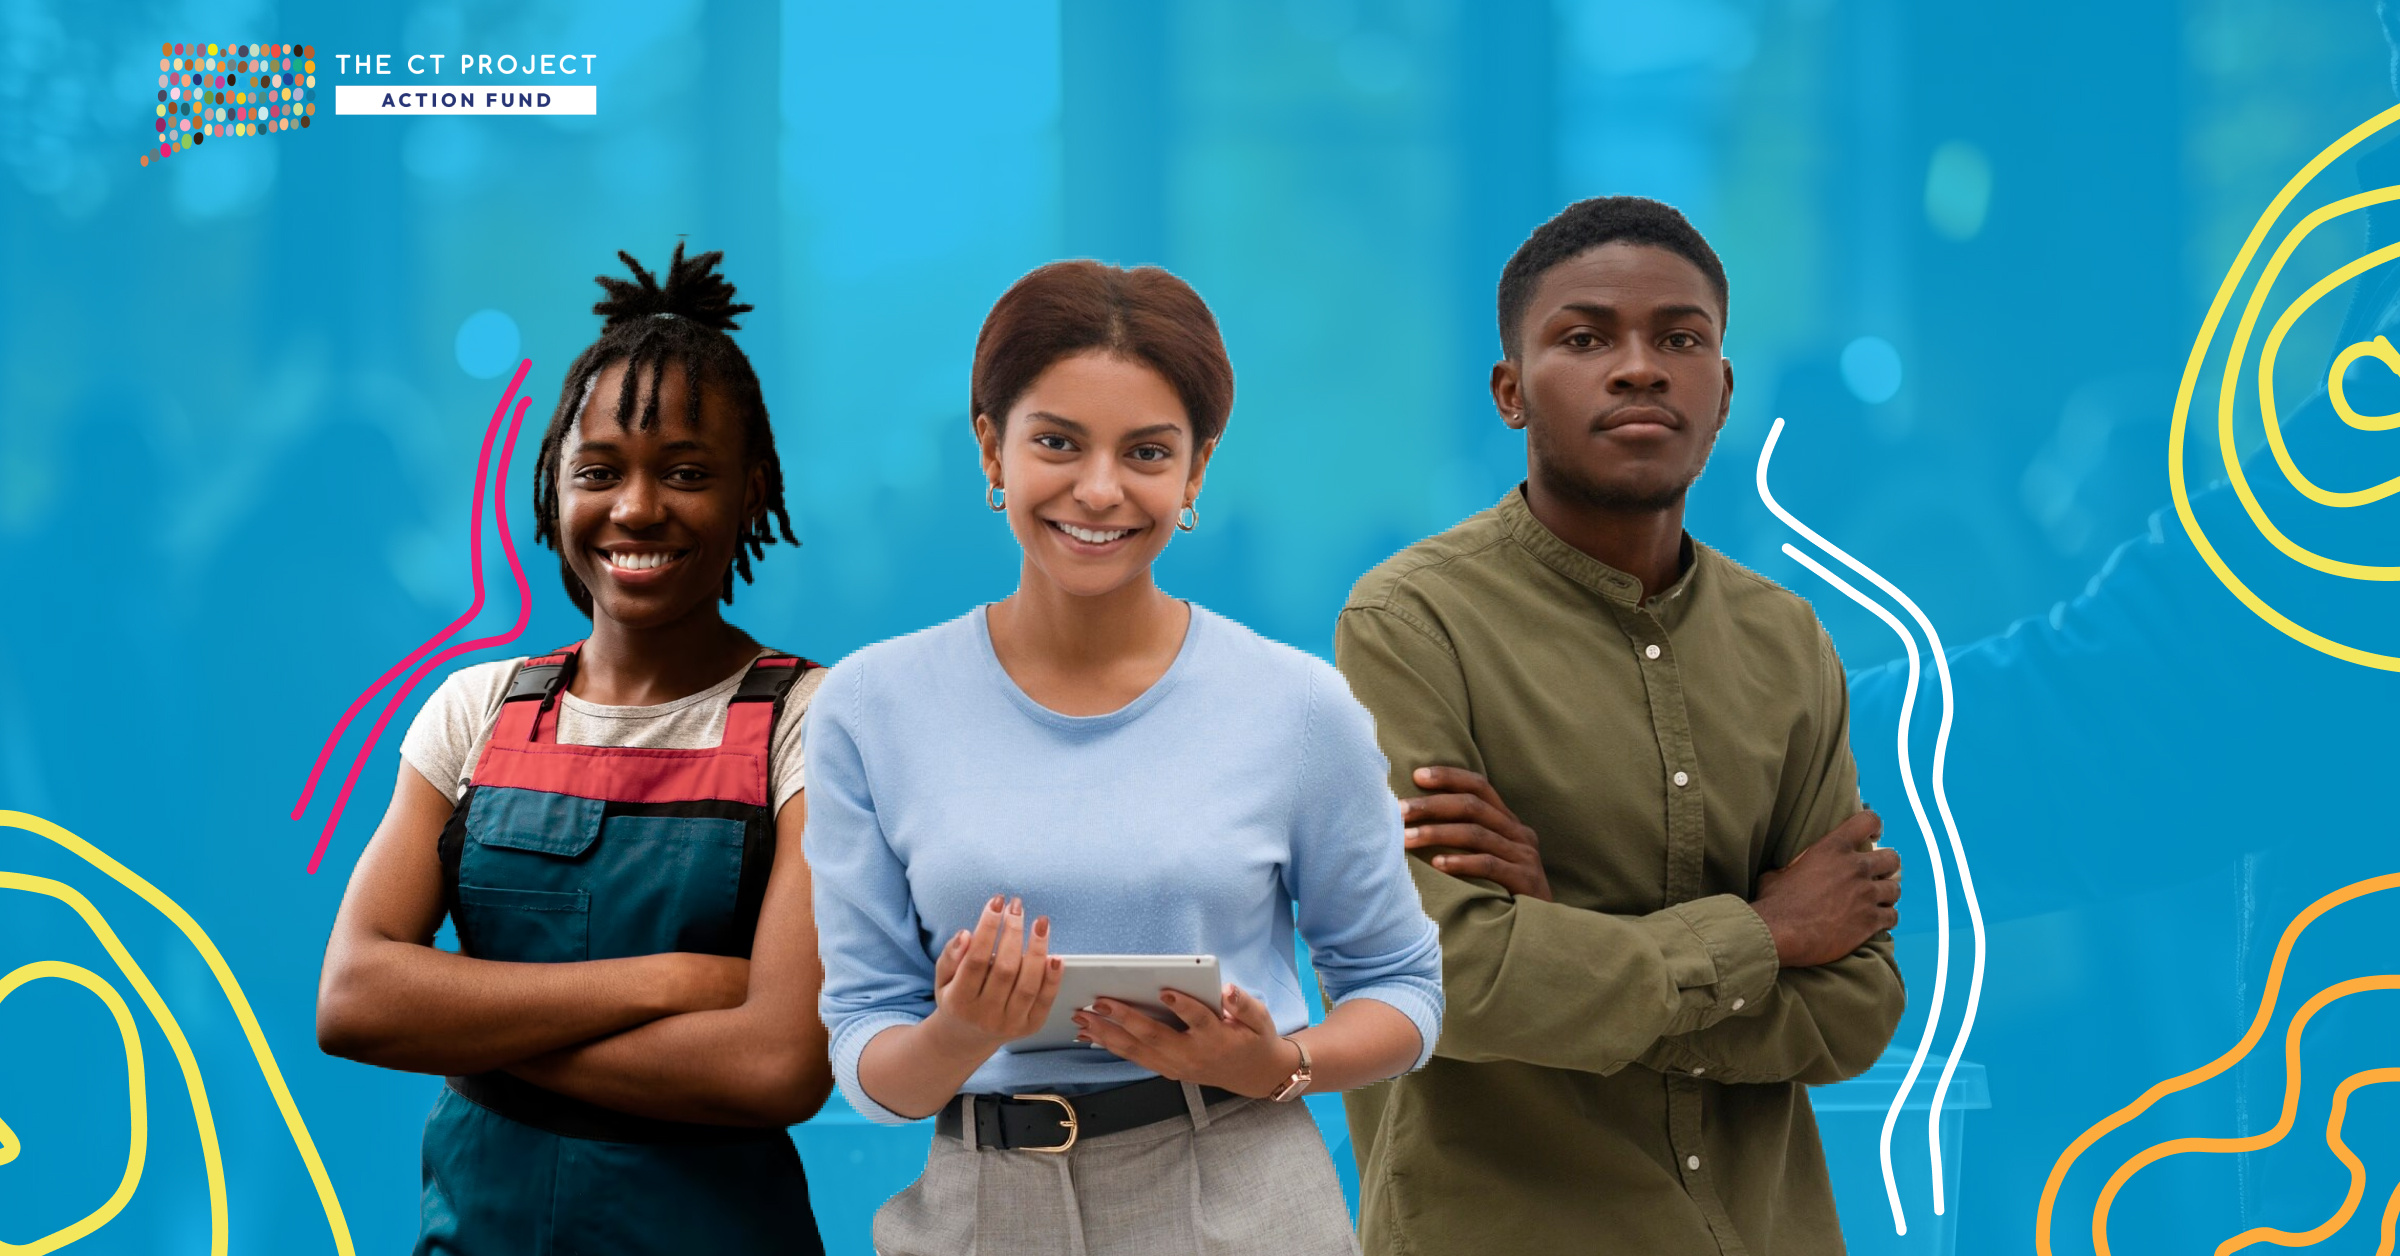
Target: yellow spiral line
2244	328
136	1146
203	1119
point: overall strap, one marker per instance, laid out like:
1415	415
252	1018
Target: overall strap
758	702
535	695
538	683
750	721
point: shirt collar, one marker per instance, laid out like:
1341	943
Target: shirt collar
1619	587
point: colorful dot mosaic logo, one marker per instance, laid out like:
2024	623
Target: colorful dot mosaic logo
231	91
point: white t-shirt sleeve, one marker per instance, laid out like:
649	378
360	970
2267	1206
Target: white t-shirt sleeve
784	759
447	736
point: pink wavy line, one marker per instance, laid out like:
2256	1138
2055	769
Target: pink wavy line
508	547
483	463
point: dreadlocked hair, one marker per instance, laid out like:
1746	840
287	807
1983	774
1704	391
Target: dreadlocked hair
683	321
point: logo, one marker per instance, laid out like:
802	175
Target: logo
231	92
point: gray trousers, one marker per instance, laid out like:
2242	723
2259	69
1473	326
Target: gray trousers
1245	1176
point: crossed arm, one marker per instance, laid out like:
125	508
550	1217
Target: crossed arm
1706	986
676	1036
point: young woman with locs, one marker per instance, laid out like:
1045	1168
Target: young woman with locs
1092	766
629	1021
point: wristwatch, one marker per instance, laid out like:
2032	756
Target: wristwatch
1298	1081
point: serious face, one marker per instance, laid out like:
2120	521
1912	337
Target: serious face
1097	459
1621	383
649	519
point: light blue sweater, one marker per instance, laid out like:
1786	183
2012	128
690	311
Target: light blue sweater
1241	795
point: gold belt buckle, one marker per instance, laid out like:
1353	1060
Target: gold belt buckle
1073	1127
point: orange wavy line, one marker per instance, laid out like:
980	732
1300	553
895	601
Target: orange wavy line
2283	1125
2174	1085
2341	1150
2391	1214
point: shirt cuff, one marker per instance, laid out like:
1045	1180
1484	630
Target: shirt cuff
851	1043
1423	1009
1740	951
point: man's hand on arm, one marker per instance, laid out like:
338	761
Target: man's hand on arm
1837	995
1527	980
1824	910
1473	832
1834	895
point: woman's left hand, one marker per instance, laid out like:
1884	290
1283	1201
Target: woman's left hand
1237	1051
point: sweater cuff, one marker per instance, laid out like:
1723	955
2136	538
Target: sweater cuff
1422	1008
1741	957
851	1043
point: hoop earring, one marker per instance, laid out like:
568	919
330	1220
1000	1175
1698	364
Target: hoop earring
1189	517
995	497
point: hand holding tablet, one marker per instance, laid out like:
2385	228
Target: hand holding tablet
999	981
1134	980
1229	1043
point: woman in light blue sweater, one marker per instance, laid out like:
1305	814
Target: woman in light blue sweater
1092	766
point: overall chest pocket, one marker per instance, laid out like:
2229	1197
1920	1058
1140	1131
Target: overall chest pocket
524	876
667	883
549	878
526	926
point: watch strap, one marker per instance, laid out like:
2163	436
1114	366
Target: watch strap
1294	1085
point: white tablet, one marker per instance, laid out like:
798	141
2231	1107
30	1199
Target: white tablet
1134	979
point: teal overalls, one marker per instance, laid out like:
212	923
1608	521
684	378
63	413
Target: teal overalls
559	853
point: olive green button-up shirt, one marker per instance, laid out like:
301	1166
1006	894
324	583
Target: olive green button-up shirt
1623	1069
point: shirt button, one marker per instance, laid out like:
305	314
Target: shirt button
1682	779
1737	1004
1650	651
1691	1162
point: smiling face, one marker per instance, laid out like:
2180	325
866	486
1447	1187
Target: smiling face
1097	460
1622	384
649	520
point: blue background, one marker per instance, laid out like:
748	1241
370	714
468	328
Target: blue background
241	392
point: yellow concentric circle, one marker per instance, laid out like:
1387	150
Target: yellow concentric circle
2237	350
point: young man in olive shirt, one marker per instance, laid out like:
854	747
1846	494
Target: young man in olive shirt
1639	994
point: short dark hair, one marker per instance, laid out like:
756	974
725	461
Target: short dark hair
1144	314
1586	225
683	321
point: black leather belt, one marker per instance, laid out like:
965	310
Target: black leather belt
1054	1123
519	1100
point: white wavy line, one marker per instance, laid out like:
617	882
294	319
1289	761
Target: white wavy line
1916	804
1966	890
1941	950
1941	804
